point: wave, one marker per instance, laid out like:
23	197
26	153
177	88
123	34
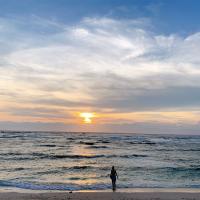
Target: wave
172	170
52	171
12	154
75	156
190	150
38	155
16	158
91	167
52	157
183	169
77	187
70	138
175	149
87	143
175	169
98	147
19	169
81	167
141	142
7	169
133	156
104	141
95	156
47	145
50	186
126	156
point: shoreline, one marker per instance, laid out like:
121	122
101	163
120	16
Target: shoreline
120	190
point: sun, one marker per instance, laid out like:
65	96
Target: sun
87	117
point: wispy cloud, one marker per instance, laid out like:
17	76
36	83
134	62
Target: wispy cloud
97	64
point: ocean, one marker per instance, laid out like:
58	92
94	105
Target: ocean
82	161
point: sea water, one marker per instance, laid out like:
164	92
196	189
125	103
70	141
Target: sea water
82	161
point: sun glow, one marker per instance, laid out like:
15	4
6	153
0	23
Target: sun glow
87	117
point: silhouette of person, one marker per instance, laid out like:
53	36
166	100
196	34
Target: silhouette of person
113	176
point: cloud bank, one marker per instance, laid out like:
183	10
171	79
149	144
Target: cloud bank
50	70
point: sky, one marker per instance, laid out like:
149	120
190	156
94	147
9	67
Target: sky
133	64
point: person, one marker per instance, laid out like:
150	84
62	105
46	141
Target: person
113	176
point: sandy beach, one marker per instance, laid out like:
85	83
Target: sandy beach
101	196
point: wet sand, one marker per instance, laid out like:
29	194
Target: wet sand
101	196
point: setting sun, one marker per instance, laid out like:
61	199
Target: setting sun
87	117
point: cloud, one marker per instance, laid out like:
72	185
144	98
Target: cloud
152	93
98	64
